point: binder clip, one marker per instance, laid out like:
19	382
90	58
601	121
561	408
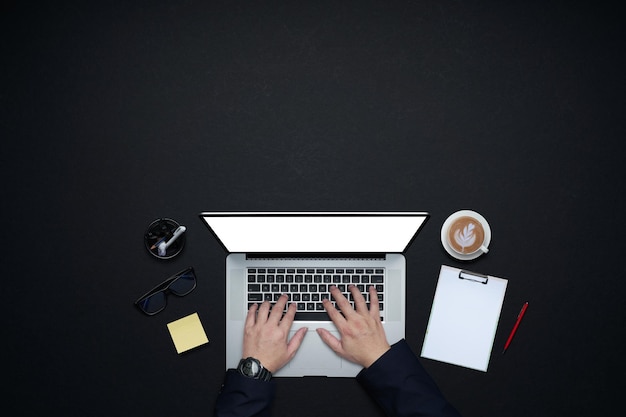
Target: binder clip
473	276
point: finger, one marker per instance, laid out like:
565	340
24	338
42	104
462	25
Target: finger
359	300
296	341
277	310
374	307
251	317
287	319
331	341
342	302
334	315
263	312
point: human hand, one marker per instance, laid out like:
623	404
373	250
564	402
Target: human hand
363	338
265	334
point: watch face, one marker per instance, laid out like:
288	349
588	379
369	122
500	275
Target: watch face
250	367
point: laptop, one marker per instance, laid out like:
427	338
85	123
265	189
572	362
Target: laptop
302	254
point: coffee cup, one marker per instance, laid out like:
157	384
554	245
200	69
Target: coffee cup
466	235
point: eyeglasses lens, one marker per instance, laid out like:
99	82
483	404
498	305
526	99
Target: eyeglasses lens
153	304
184	284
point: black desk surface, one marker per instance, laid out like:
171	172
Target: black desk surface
113	116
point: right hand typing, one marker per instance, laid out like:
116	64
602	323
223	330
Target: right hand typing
363	338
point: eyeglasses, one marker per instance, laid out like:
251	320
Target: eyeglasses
155	300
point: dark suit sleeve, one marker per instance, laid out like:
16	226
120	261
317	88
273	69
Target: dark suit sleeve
402	387
244	397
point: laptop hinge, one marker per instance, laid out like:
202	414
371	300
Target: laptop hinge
317	256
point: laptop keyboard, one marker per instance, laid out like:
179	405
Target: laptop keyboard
307	287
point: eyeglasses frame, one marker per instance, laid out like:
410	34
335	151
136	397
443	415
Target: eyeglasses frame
164	287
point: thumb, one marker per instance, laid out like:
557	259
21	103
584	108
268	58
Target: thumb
296	341
331	341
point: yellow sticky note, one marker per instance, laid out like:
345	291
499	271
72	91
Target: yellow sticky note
187	333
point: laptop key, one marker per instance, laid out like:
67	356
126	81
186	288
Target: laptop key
376	279
312	316
255	297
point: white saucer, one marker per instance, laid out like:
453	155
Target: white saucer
446	226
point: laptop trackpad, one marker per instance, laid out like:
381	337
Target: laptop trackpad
315	354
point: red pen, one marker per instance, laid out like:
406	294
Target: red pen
517	322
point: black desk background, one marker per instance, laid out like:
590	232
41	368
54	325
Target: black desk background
113	116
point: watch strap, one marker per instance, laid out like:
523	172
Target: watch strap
264	375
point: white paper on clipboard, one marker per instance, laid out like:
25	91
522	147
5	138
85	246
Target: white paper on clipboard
464	318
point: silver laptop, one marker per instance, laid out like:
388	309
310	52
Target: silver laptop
303	254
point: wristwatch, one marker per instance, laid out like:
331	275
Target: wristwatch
252	368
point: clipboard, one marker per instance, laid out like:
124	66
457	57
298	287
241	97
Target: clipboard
464	318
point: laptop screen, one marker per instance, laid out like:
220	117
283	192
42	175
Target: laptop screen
315	232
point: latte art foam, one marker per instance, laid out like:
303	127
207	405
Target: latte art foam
466	235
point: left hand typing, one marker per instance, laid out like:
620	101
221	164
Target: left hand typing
266	332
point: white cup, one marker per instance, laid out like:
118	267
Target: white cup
466	235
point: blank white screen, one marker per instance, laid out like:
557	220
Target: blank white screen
315	232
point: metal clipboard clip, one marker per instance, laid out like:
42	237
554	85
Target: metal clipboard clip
473	276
